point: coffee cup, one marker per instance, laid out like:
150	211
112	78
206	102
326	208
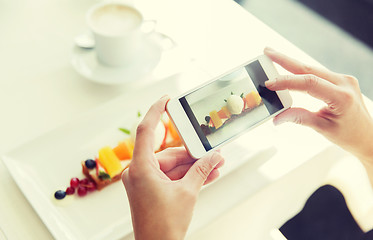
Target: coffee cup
116	28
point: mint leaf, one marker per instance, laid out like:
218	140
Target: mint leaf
241	95
126	131
138	114
103	175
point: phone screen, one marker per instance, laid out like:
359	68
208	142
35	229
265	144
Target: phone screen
226	107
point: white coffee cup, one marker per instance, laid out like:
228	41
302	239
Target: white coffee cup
116	28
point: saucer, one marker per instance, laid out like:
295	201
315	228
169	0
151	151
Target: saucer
85	62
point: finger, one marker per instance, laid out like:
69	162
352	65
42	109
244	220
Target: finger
314	86
212	177
297	67
172	157
179	171
303	117
144	143
201	169
221	163
125	177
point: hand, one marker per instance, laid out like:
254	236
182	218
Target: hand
162	188
344	120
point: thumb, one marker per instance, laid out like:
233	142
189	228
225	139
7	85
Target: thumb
201	169
301	116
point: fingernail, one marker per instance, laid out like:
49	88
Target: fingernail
270	83
164	96
269	50
278	121
216	157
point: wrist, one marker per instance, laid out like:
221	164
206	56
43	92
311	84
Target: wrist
368	165
155	228
145	233
364	149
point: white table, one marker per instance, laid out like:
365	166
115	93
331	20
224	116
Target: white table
39	91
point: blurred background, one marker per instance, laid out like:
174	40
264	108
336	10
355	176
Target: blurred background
337	33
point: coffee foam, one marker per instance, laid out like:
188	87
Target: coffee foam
115	19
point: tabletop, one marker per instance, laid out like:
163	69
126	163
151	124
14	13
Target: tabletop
40	91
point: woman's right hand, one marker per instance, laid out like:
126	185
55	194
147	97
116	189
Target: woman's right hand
344	120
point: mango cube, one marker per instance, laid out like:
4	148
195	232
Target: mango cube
216	120
110	161
224	112
124	150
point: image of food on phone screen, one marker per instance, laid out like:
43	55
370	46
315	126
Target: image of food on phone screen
230	105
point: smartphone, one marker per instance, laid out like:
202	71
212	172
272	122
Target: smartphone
227	106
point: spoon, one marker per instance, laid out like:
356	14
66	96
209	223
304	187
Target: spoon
85	40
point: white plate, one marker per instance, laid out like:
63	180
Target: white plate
47	164
86	64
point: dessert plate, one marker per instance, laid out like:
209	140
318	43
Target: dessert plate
86	64
47	163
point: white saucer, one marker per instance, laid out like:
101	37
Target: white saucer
86	64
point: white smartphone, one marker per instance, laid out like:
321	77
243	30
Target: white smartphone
225	107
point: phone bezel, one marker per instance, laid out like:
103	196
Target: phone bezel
185	128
